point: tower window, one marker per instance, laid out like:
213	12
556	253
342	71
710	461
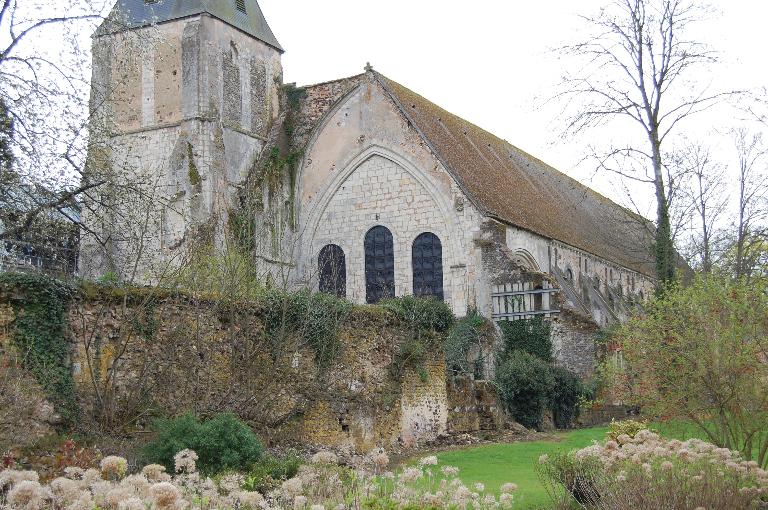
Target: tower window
379	264
333	271
428	266
240	4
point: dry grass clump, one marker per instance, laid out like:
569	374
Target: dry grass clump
646	471
321	484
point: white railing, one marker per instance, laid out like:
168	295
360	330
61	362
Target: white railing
524	300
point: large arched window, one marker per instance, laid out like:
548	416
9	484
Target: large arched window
379	265
332	265
428	266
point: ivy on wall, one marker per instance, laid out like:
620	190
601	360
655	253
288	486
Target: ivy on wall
40	303
316	318
428	319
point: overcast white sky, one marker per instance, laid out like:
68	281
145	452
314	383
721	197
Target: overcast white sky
489	60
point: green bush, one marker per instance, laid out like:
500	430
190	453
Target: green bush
524	383
466	337
628	427
429	314
268	473
222	442
529	335
565	397
316	318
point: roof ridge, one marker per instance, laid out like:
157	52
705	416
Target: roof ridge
521	151
525	191
337	80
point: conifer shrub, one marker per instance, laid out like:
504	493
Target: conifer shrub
565	397
524	383
223	442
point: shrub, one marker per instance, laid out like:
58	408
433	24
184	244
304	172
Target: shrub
524	383
269	472
40	335
467	338
564	399
529	335
628	427
647	471
314	317
222	442
429	314
698	353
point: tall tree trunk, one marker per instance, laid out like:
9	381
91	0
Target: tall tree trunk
663	247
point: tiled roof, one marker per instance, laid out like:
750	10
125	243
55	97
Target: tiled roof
516	188
138	13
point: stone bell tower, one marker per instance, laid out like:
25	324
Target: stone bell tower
183	96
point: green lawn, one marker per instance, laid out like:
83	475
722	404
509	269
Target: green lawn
497	464
515	462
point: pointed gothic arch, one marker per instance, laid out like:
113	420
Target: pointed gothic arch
332	269
379	264
427	264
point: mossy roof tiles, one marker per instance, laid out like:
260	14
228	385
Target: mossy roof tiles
509	185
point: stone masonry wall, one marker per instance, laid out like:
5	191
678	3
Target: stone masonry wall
473	406
139	358
573	343
380	192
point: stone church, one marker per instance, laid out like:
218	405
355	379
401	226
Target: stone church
357	186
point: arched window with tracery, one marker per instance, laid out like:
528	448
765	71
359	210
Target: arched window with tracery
379	265
332	266
428	266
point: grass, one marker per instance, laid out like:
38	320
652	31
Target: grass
496	464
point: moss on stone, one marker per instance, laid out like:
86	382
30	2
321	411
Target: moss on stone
193	172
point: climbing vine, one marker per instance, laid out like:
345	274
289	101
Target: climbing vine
315	318
427	319
40	304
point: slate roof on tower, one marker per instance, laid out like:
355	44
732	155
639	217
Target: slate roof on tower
244	15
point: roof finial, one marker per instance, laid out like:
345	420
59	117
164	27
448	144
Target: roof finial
368	67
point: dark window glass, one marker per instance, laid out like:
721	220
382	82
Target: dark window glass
332	265
379	265
428	266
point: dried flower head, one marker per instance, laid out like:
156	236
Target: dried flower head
165	495
411	474
184	461
28	495
324	457
508	488
428	461
450	471
113	467
131	504
292	487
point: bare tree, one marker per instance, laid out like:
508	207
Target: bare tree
750	229
636	65
706	201
43	91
